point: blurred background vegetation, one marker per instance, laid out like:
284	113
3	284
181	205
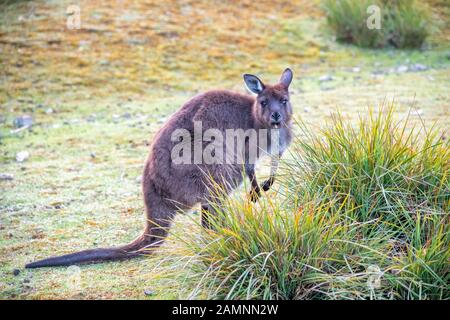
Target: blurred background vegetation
402	24
78	109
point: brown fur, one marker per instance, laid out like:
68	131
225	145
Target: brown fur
169	187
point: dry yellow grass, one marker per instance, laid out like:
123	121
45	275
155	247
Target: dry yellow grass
141	46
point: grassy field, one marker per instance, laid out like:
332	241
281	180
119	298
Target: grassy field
97	96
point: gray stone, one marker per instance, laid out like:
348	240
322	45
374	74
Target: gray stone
402	69
6	177
22	156
23	121
149	292
418	67
126	115
326	78
162	120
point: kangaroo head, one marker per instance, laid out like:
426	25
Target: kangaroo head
272	107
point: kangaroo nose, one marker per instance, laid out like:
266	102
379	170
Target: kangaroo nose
276	116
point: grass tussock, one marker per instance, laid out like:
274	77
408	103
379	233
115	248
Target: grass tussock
381	164
403	23
366	217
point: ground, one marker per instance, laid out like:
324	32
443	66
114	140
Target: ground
97	95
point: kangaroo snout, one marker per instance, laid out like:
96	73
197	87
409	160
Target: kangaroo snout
276	117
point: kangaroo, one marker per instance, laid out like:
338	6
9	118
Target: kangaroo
169	187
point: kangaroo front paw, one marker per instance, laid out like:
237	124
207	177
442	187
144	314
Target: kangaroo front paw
254	194
267	184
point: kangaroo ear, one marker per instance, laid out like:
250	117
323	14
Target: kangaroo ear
286	77
253	83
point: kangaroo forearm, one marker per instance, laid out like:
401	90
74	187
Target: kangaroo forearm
255	192
273	171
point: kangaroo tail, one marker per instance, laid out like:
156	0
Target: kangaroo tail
131	250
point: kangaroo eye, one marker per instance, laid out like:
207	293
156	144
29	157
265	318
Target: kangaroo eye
284	101
264	103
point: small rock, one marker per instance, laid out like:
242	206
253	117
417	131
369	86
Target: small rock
356	69
16	272
49	111
93	155
22	156
6	177
135	41
149	292
325	78
306	109
57	206
402	69
162	120
91	118
24	100
142	118
418	67
378	72
126	115
23	121
139	179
